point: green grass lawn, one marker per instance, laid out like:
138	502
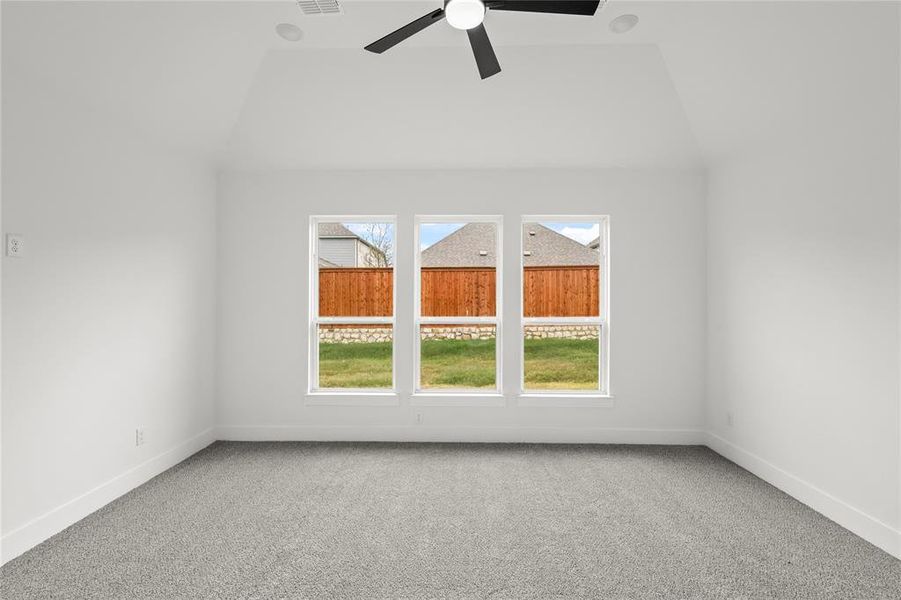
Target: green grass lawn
559	364
457	364
355	365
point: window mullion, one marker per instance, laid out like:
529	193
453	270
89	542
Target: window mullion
562	321
457	320
354	320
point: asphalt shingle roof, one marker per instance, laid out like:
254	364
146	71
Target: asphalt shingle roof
335	230
463	248
542	246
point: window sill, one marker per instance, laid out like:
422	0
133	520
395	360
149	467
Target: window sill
564	400
351	398
461	399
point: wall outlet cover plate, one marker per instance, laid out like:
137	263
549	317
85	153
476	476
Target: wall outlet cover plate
15	245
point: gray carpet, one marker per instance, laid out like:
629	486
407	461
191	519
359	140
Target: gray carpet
294	520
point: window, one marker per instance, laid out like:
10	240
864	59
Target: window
352	304
458	268
565	328
457	313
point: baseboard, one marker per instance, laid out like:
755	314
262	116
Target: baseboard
49	524
869	528
500	434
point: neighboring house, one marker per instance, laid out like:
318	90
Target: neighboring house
473	245
327	264
341	247
595	244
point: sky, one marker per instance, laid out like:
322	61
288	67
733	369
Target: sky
361	229
429	233
581	232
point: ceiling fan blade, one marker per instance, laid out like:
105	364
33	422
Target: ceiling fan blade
562	7
484	53
396	37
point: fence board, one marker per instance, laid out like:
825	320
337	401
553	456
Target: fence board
561	291
553	291
458	292
353	292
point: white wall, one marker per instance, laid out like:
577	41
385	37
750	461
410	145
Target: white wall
898	521
658	301
108	320
803	301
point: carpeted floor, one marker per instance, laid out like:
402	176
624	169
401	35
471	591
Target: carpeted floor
398	521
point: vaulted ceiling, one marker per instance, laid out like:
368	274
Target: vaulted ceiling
693	82
425	107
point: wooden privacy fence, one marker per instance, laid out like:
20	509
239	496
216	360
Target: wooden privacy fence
458	292
356	292
560	291
555	291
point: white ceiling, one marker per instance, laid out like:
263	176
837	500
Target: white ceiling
694	81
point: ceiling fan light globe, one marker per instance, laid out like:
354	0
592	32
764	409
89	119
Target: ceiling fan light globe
464	14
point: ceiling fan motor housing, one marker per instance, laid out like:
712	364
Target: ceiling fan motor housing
464	14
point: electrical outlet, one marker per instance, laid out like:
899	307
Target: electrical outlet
15	245
419	418
729	419
139	437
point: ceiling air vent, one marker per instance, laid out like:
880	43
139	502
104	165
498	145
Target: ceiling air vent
320	7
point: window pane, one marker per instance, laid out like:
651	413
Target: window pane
355	356
457	356
356	269
458	262
561	357
561	269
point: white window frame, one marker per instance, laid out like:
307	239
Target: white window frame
602	321
315	320
496	320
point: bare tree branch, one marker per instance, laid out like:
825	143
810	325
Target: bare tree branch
379	235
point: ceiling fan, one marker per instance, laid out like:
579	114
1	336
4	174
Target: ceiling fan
469	14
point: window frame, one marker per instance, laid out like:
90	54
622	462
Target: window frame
315	320
419	321
602	321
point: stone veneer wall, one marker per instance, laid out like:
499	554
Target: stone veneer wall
573	332
353	335
458	332
363	334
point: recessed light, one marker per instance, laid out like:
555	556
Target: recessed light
623	23
289	32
